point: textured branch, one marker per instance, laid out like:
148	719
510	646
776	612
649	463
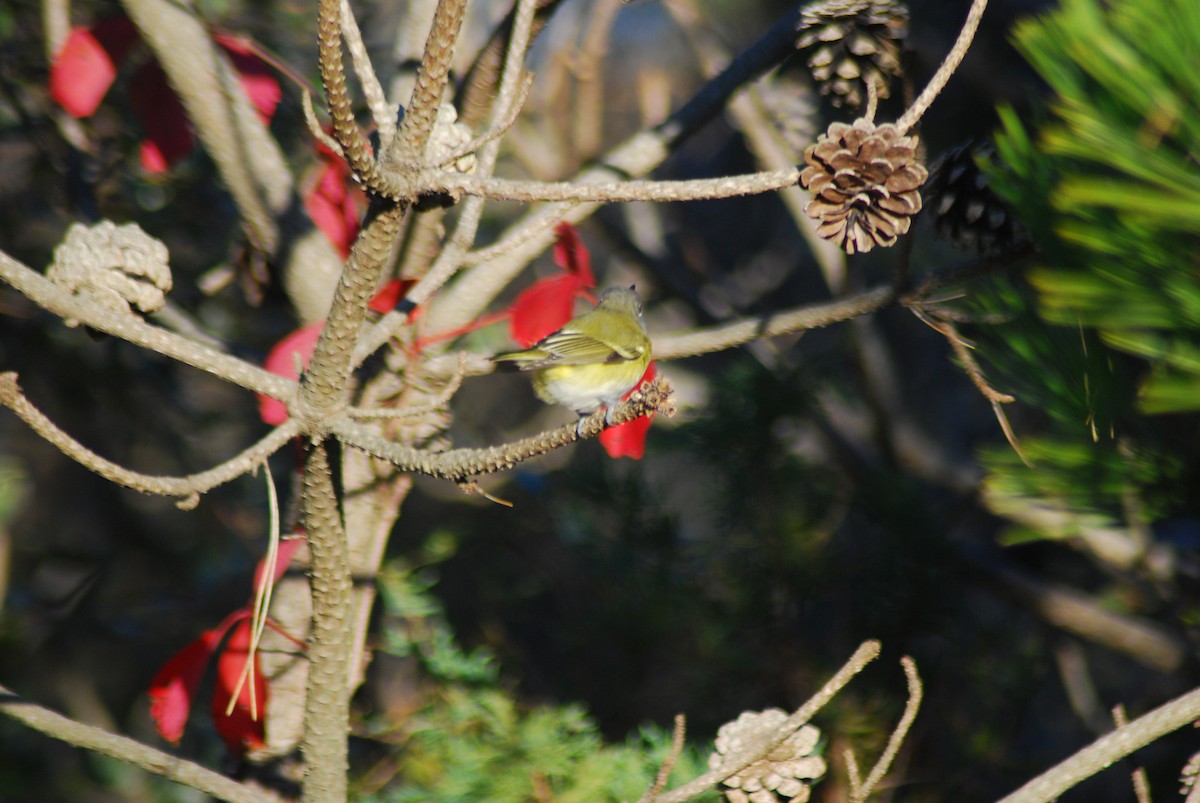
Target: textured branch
460	465
1108	749
327	703
125	749
502	189
911	707
409	145
52	298
337	96
938	82
188	488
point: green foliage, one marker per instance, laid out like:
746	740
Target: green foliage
1106	329
473	741
1110	185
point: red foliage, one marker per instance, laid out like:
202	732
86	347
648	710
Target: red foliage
174	687
87	65
549	303
334	203
629	439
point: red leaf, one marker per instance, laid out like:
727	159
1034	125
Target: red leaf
86	65
389	295
629	439
239	729
164	122
334	207
287	549
281	361
544	308
172	689
256	75
572	254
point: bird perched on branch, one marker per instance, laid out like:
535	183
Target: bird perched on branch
593	360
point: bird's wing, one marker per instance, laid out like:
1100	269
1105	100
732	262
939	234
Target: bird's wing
568	347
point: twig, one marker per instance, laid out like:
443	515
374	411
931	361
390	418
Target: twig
188	488
853	773
314	125
867	652
669	762
377	102
1141	782
337	96
915	693
125	749
1108	749
949	65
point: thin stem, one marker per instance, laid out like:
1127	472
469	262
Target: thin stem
377	102
940	78
915	694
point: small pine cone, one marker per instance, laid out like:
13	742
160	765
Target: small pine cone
781	773
865	184
965	211
850	42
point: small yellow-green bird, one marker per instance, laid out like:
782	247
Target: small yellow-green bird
594	359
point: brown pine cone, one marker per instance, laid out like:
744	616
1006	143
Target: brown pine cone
850	42
865	183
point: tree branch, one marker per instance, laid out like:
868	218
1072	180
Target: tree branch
460	465
1108	749
122	748
187	488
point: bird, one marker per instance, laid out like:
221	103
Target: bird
593	360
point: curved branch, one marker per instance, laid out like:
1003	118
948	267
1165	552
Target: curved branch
432	75
49	296
188	488
734	763
946	70
460	465
124	749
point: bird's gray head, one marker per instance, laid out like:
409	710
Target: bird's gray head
622	300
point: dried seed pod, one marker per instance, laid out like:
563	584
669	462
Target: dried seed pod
965	210
784	772
848	43
865	182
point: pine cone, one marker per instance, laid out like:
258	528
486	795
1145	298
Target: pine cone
851	42
782	772
864	180
965	211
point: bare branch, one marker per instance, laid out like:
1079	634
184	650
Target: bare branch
49	296
502	189
460	465
409	145
915	693
668	765
127	750
327	702
187	488
938	82
867	652
377	102
1108	749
